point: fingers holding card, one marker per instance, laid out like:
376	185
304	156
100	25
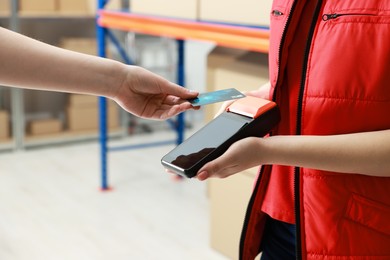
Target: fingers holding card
216	96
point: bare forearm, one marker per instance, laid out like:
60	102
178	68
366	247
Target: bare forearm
362	153
28	63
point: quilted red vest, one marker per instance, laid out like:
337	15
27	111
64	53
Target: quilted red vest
345	88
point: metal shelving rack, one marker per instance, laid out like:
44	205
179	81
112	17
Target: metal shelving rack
16	94
19	139
234	36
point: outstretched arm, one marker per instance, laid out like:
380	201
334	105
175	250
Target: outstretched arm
28	63
360	153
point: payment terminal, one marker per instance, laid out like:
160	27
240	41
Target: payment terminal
248	116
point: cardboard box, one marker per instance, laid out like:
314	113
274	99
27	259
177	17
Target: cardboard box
187	9
228	201
37	6
5	7
4	124
88	7
79	100
246	12
229	68
245	71
217	58
44	126
83	45
74	7
111	5
80	118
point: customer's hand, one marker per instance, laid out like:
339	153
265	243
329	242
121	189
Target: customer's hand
148	95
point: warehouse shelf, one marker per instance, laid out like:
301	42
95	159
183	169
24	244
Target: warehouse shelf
7	144
67	137
253	39
49	15
27	22
233	36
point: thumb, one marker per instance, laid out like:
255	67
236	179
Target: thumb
210	169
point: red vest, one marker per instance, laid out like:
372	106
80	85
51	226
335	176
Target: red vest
344	88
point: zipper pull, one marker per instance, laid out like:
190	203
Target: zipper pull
327	17
276	13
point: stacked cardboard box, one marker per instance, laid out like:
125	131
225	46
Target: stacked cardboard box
83	115
110	5
245	71
85	6
187	9
5	7
37	6
81	44
215	60
228	199
82	111
66	7
74	6
246	12
232	68
4	125
45	126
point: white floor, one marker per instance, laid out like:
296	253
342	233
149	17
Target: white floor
51	206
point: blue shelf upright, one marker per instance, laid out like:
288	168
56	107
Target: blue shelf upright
177	125
101	45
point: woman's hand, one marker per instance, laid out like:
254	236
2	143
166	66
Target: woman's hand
262	92
148	95
357	153
241	155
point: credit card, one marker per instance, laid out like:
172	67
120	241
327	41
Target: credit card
216	96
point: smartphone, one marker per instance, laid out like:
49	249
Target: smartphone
215	138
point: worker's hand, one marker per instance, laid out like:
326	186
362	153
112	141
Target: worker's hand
262	92
148	95
241	155
223	107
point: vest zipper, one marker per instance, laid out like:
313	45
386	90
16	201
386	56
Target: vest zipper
327	17
282	40
252	199
297	171
277	13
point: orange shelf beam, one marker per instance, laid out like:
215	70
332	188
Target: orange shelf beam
239	37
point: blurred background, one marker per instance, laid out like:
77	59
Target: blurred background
52	205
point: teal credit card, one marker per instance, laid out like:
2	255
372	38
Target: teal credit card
216	96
